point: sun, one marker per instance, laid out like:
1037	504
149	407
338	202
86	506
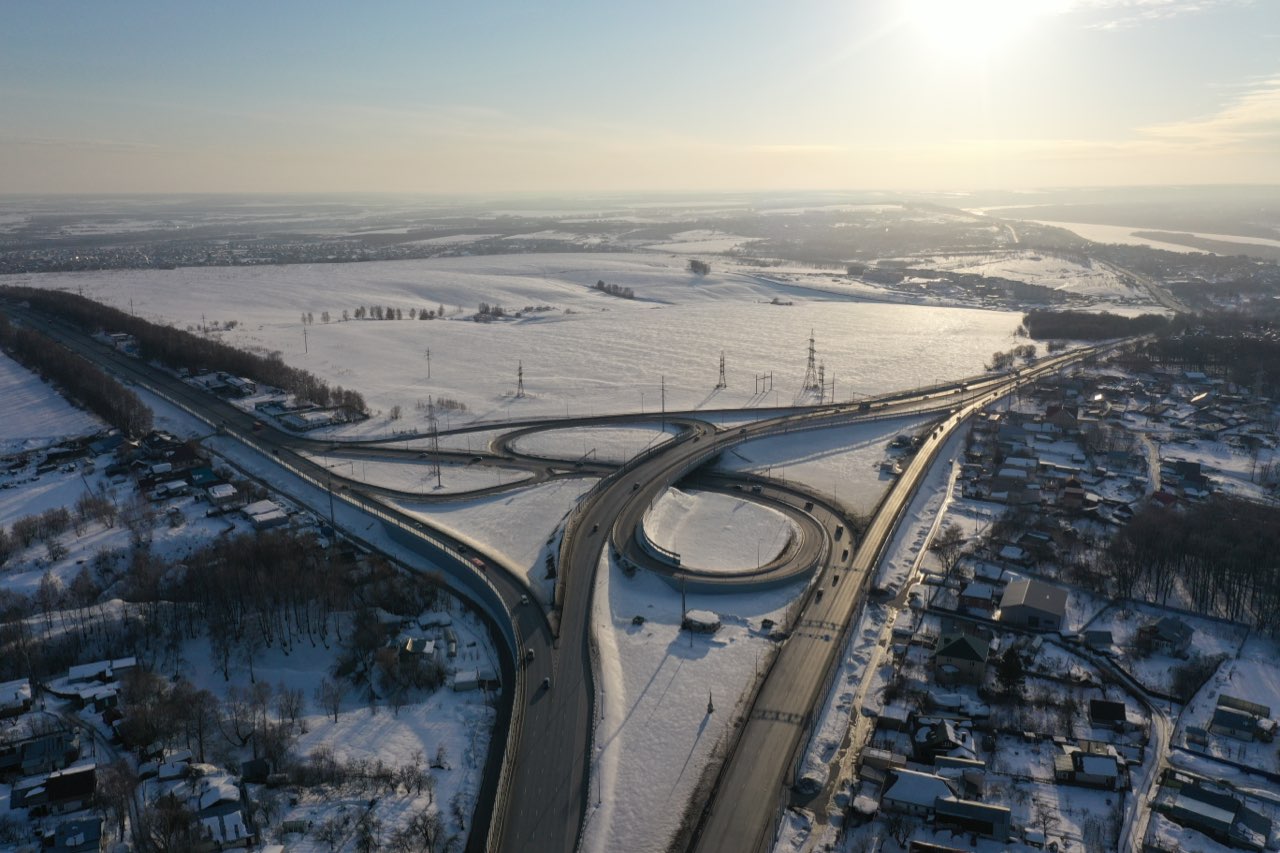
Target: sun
971	28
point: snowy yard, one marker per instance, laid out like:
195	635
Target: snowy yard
1155	671
1253	677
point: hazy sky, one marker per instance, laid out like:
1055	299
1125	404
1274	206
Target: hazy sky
466	95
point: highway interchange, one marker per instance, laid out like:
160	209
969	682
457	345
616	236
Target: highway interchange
537	790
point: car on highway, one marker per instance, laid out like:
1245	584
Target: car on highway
528	655
546	683
595	527
524	599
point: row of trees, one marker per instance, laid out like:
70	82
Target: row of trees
178	348
615	290
80	379
377	312
1089	326
1006	360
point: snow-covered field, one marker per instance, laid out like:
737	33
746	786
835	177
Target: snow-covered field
1093	280
591	353
717	533
419	476
701	241
843	462
603	444
655	737
35	415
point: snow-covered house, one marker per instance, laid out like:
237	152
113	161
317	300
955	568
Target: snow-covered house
1033	604
1220	815
990	821
1169	635
1089	769
15	698
1242	720
960	659
221	494
914	793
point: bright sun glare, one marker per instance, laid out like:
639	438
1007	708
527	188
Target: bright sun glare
972	28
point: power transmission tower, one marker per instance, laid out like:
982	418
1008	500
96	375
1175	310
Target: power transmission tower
822	383
722	383
520	379
428	362
811	379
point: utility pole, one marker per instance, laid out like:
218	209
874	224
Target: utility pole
428	363
435	439
304	339
664	402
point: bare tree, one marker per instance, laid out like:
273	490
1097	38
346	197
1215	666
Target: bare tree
115	785
329	695
289	703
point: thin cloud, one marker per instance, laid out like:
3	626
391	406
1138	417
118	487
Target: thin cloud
1253	116
77	143
1119	14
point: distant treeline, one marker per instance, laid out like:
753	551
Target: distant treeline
180	349
1089	326
1245	350
82	380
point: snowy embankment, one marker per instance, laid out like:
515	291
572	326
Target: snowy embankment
861	678
574	354
419	476
717	533
35	415
597	444
655	737
843	462
514	527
